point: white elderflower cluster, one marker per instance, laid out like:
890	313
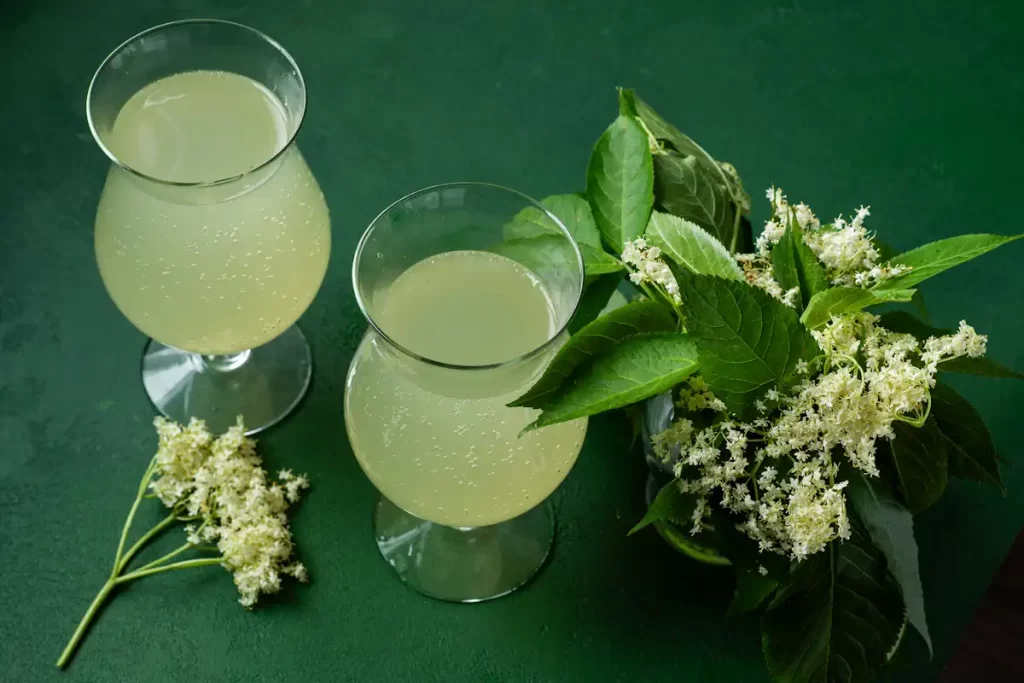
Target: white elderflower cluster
646	266
778	472
844	248
775	227
221	482
965	342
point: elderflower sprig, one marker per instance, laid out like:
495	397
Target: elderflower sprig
778	472
650	273
218	486
844	248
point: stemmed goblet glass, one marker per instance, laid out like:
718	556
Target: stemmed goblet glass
212	236
468	289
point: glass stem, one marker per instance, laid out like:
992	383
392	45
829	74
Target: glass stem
225	363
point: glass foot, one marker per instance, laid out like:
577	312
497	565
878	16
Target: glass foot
262	385
469	564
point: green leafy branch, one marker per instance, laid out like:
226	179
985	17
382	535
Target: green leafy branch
840	614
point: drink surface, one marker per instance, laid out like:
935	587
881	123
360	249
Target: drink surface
440	456
215	273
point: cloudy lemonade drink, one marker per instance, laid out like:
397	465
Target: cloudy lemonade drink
229	267
437	450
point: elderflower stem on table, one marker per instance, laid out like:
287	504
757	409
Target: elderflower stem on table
221	482
121	560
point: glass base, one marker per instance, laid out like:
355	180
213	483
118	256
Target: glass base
470	564
262	385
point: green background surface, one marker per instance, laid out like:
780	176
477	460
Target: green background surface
912	107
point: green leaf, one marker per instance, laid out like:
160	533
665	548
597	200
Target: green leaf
724	174
547	256
595	297
972	454
620	181
891	527
599	262
627	103
784	265
752	589
905	323
681	143
839	300
921	459
837	617
682	187
671	505
571	209
747	341
595	339
743	552
791	256
982	367
931	259
691	246
634	369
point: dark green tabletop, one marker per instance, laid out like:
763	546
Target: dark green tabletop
912	107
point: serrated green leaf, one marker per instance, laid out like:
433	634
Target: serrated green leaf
670	505
681	143
620	180
752	589
839	300
599	262
627	103
905	323
682	187
691	246
572	209
785	268
836	618
747	341
724	174
634	369
982	367
796	265
921	459
891	527
595	339
596	293
972	453
931	259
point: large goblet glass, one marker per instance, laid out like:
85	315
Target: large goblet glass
468	289
212	236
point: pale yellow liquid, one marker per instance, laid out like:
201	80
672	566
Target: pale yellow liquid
220	269
453	460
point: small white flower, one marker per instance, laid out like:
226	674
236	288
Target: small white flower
790	297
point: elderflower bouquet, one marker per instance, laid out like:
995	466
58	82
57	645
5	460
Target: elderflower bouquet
806	431
217	487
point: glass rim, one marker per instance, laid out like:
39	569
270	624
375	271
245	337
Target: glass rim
186	22
361	247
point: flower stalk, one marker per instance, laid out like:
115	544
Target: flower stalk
220	483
